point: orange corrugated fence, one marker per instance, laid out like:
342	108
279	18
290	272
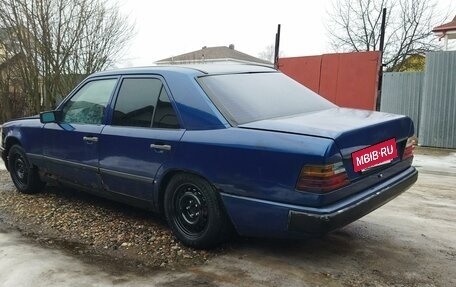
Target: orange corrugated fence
346	79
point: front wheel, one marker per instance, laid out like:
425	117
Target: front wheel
24	176
194	212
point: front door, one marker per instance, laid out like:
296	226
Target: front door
70	147
143	135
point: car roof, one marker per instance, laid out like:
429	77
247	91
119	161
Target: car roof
196	69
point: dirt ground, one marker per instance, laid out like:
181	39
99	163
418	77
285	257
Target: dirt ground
411	241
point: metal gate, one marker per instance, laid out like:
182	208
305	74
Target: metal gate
401	94
433	95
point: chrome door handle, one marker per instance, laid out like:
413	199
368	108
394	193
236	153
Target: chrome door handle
161	146
90	139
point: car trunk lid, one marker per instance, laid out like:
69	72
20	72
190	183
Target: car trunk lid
351	129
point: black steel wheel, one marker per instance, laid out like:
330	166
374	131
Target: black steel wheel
191	213
194	212
24	176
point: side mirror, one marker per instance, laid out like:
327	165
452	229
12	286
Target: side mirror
50	117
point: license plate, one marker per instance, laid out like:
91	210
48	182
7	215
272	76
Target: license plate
375	155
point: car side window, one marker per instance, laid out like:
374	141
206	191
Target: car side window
140	102
165	117
88	105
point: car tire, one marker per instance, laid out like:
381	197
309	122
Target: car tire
194	212
25	177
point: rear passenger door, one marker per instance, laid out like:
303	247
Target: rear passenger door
143	134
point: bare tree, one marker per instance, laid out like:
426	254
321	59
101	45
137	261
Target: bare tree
268	53
355	26
61	42
13	102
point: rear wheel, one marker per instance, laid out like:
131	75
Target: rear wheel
194	212
24	176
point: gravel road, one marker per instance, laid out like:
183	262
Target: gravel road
72	238
88	225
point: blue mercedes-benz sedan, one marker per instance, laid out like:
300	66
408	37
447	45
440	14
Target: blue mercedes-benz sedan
215	147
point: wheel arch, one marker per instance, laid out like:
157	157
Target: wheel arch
166	178
217	227
9	142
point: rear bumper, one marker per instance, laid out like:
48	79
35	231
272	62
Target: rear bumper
336	217
253	217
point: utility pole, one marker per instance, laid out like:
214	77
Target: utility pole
380	72
276	50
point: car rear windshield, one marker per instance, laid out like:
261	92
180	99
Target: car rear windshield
244	98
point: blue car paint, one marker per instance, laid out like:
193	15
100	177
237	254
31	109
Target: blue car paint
254	166
27	132
65	145
254	217
344	126
231	158
133	160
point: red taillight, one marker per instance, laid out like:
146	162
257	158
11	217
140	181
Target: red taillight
409	148
322	178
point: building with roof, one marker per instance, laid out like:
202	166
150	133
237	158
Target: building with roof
221	54
446	31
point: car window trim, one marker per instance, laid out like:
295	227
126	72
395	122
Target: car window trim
144	76
156	106
85	82
217	104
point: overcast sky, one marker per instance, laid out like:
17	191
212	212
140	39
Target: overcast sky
171	27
